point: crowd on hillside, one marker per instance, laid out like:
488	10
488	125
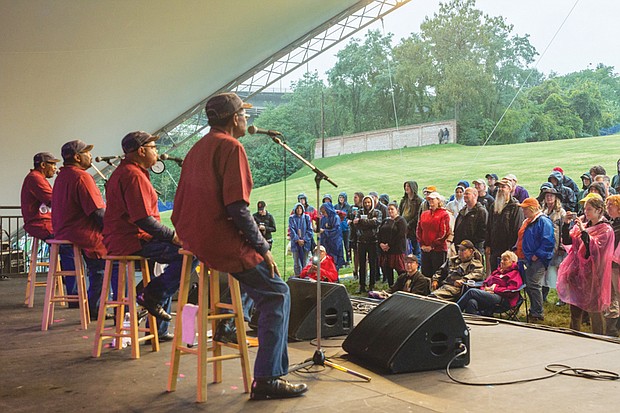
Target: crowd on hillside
491	234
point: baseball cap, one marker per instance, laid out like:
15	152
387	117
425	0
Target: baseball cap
133	140
434	194
560	170
466	244
260	205
74	147
479	181
430	188
494	176
591	195
373	193
45	157
529	202
512	177
224	105
504	181
411	258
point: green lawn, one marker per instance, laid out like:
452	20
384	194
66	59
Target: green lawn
443	166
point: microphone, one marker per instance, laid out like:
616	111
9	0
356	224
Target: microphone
107	159
253	129
166	157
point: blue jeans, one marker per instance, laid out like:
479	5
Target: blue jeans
164	252
476	301
534	275
300	258
94	272
273	302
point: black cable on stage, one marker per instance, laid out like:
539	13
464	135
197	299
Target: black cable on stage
554	368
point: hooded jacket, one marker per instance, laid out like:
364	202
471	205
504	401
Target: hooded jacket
538	239
331	235
569	199
410	209
300	227
367	227
343	210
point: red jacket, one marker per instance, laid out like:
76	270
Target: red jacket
329	272
434	229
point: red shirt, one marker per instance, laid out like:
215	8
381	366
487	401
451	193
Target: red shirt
75	198
215	173
131	197
434	229
36	190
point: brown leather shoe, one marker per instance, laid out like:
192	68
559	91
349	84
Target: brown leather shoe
276	389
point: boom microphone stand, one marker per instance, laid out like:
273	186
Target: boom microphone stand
318	359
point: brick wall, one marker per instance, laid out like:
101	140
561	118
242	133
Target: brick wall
386	139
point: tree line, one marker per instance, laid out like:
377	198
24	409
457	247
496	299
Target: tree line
462	64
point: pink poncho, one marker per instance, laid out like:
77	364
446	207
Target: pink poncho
586	283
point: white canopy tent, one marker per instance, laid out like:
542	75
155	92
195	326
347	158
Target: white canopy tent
95	70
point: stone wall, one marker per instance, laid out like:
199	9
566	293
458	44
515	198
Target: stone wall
386	139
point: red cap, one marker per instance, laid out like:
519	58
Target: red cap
560	170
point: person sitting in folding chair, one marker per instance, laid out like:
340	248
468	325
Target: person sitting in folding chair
499	289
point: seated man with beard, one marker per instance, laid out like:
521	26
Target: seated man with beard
457	271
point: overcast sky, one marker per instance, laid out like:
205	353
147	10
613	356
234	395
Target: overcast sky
591	34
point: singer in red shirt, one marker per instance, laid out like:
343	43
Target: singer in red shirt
36	196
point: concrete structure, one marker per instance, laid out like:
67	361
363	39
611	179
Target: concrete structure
386	139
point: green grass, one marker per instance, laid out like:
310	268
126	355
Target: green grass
443	166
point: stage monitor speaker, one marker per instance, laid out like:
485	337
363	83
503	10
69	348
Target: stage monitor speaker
336	310
408	333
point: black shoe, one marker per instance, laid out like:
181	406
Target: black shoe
276	389
73	304
95	316
153	308
226	332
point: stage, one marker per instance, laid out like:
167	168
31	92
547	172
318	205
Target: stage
53	372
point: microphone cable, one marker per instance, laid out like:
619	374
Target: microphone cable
554	368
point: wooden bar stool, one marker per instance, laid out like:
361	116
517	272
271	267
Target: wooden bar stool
32	282
54	273
208	313
126	297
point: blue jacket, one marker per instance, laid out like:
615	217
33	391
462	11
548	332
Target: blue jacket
331	238
345	207
539	240
300	227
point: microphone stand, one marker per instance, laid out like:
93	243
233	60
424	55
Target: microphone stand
318	359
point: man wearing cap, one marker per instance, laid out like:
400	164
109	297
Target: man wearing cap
36	196
132	225
77	216
264	220
484	198
567	181
503	225
535	245
378	204
471	221
449	279
518	192
491	188
223	235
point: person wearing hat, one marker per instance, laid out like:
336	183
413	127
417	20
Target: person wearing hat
433	232
216	174
499	289
518	191
412	281
36	196
491	179
471	221
132	225
378	204
447	282
535	246
584	278
552	207
484	198
329	273
264	220
503	225
567	196
426	192
77	216
566	180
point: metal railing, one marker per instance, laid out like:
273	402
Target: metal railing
15	245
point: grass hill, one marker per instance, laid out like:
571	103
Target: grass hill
442	166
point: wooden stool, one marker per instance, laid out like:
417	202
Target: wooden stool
54	273
126	297
32	282
178	348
